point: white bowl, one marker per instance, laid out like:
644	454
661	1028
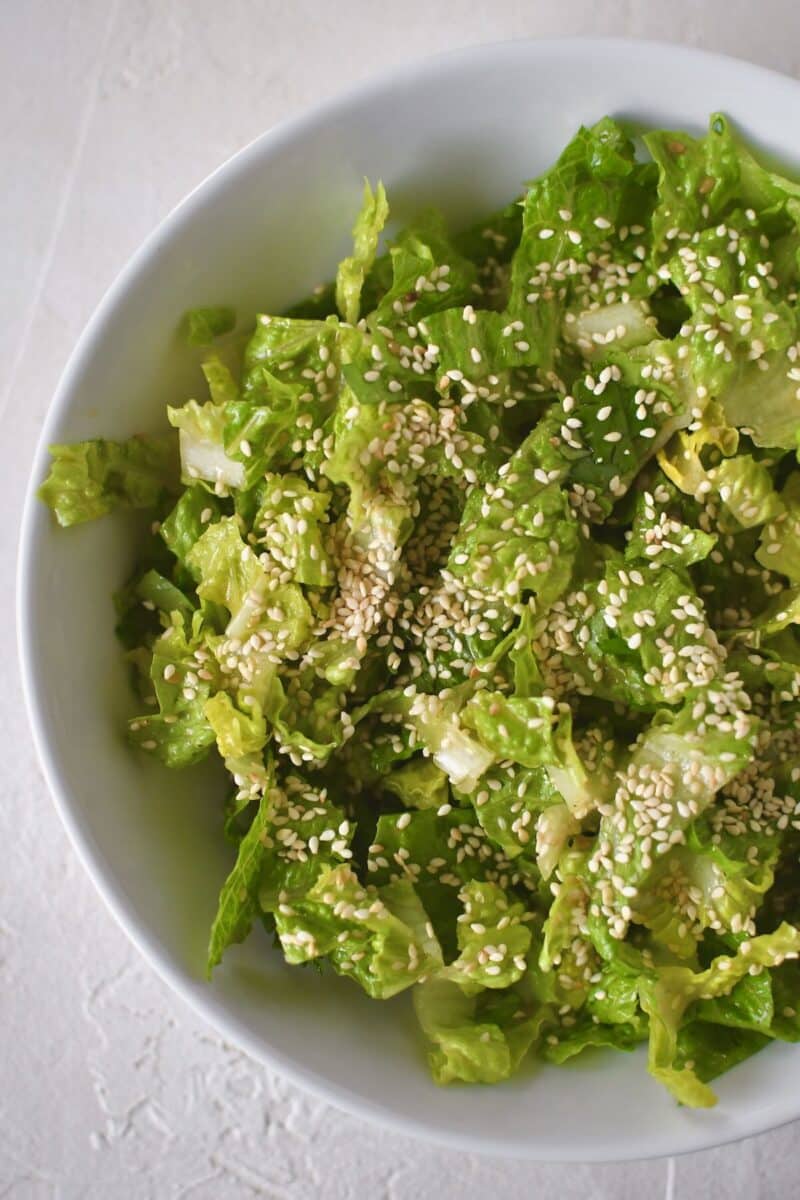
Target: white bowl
462	131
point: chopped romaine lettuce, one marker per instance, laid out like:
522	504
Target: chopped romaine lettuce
90	479
202	325
483	584
366	231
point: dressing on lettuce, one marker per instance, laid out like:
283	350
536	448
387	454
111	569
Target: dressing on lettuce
479	571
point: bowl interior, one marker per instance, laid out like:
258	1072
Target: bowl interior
462	132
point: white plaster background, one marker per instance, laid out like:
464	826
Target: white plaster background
110	111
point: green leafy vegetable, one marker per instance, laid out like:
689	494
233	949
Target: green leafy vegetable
202	325
238	901
352	271
482	580
90	479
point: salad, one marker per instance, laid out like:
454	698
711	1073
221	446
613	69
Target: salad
480	571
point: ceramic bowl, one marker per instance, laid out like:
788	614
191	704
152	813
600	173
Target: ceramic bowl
463	132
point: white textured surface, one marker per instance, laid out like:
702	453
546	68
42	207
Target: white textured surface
112	110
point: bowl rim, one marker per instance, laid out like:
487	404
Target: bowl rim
198	996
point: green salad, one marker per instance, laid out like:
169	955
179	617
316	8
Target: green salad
480	571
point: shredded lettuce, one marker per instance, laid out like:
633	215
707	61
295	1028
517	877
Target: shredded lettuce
202	325
90	479
352	271
480	574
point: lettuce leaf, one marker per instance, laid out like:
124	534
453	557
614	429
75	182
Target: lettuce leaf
202	325
667	997
89	479
366	231
483	582
470	1042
